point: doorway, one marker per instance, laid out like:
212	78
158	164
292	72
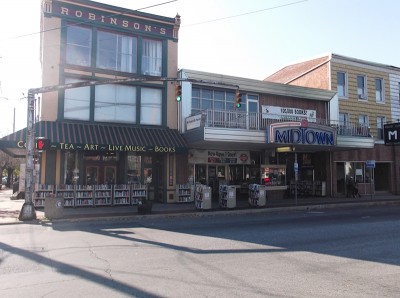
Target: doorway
153	169
252	111
97	173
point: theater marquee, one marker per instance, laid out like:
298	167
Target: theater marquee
301	133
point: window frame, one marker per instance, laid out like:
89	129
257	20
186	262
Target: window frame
345	86
72	59
160	51
156	118
380	92
379	127
365	119
362	90
68	101
346	119
114	105
117	50
203	98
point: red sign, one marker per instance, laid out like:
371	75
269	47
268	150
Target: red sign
243	157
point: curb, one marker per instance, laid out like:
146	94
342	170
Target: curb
207	213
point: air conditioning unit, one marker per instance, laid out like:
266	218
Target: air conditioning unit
361	96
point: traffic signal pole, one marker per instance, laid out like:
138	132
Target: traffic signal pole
28	209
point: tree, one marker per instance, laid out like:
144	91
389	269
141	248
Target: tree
10	165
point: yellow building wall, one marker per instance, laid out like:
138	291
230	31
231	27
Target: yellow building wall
354	106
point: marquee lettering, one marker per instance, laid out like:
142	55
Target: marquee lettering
304	136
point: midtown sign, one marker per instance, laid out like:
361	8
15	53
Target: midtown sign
392	133
301	133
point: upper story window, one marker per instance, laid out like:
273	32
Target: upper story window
380	121
79	45
151	57
398	86
363	120
379	90
361	87
203	99
116	52
341	84
115	103
344	119
151	106
77	102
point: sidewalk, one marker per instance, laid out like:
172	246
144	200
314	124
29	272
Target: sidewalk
10	208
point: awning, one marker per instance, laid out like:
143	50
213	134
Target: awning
99	137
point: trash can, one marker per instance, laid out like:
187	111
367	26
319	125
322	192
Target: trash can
53	207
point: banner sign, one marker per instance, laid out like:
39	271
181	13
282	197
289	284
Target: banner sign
288	114
219	156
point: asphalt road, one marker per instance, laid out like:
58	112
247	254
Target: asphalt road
333	253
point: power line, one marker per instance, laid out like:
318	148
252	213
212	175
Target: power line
89	21
246	13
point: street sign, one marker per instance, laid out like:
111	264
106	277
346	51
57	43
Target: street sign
392	133
370	164
296	167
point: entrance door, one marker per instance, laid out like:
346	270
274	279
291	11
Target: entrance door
252	111
153	176
98	173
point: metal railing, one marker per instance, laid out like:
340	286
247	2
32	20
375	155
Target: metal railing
259	121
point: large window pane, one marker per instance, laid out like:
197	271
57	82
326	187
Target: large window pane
79	41
77	102
152	57
151	103
341	84
361	90
379	90
115	103
116	52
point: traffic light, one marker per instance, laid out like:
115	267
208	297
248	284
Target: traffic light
178	92
41	144
238	99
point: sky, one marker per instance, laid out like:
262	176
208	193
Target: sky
250	39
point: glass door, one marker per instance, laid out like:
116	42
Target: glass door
252	112
92	174
109	175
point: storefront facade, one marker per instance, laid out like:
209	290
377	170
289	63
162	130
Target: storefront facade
368	93
281	136
107	134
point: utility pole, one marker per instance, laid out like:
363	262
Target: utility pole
28	209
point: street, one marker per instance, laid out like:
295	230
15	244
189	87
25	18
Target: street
331	253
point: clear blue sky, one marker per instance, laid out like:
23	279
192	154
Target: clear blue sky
249	39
